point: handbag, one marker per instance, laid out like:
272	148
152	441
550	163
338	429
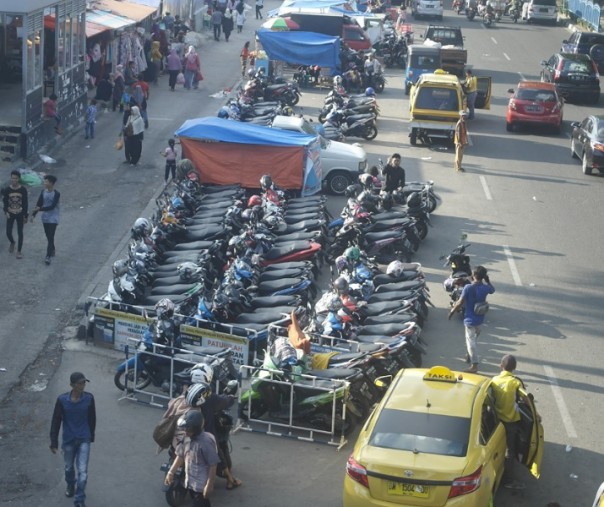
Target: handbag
129	130
480	308
198	76
119	144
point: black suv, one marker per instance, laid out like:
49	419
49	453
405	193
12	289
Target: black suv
575	76
587	43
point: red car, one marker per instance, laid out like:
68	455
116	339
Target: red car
534	103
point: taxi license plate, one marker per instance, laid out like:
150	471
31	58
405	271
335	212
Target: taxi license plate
404	489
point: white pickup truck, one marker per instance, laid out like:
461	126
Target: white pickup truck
341	163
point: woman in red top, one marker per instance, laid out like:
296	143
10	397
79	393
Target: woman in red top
245	54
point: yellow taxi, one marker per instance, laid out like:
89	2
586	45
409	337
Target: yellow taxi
435	440
599	500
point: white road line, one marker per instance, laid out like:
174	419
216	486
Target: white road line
507	57
494	41
513	269
564	413
485	187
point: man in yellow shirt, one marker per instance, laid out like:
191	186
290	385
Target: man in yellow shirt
460	140
471	87
505	386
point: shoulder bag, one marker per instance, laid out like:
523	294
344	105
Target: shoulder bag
480	308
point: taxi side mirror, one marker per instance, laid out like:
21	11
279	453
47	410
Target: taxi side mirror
510	90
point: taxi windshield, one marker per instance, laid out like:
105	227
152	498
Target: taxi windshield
444	99
421	432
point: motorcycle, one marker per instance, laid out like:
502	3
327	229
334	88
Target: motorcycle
458	6
357	125
461	272
471	12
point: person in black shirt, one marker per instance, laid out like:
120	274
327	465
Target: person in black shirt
14	198
394	174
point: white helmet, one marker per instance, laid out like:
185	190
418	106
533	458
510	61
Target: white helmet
202	372
337	80
395	268
197	394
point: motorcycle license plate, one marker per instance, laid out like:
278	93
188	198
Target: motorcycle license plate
404	489
543	9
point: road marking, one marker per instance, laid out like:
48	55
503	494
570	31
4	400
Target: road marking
507	57
564	413
513	269
522	78
494	41
485	187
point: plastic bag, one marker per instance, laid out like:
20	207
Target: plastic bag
180	79
119	144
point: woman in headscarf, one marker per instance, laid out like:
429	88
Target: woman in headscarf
174	68
156	59
135	127
118	88
138	99
192	67
227	23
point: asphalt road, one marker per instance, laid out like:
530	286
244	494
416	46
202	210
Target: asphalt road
531	216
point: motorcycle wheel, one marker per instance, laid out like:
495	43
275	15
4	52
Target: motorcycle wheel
432	203
416	358
293	99
422	229
322	116
259	408
370	133
142	380
176	495
413	137
379	87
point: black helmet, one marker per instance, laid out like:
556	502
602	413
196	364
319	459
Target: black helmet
266	182
414	200
387	201
352	191
250	73
191	421
341	285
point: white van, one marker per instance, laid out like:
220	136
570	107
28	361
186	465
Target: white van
341	163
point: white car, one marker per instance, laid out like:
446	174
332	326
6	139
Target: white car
540	10
341	163
427	8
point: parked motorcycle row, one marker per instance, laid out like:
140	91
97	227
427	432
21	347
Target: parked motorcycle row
368	324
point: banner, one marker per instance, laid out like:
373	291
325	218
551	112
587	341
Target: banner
113	328
209	338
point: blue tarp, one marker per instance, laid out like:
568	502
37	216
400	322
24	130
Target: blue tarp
304	48
219	129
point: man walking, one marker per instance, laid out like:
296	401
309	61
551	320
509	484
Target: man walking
471	88
14	198
75	410
48	204
259	6
506	390
461	140
217	23
473	293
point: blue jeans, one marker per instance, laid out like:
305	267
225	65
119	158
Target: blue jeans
189	77
76	455
471	101
90	129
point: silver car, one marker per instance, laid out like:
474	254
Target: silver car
540	11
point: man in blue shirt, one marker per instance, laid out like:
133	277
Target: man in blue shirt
475	292
75	410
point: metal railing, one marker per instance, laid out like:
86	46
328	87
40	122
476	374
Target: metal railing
584	10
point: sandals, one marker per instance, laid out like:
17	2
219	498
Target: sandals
235	484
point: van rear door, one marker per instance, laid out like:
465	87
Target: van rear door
483	97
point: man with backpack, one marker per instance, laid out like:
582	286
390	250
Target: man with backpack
473	302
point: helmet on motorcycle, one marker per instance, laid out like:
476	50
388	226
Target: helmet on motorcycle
387	201
266	182
223	112
201	373
164	308
367	181
197	394
254	200
187	270
333	303
365	199
120	267
341	285
341	263
250	215
276	223
191	421
395	268
287	111
142	227
414	200
398	196
370	92
337	80
351	191
250	73
178	203
352	253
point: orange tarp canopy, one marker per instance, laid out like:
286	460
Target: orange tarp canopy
224	163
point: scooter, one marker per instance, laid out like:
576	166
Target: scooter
461	272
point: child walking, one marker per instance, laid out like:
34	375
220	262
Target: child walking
170	154
90	120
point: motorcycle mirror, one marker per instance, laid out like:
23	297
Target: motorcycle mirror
231	387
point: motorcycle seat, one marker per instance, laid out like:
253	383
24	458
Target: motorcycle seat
389	215
299	236
383	278
179	288
263	316
191	236
291	264
167	281
192	245
409	285
271	301
345	357
380	224
286	273
356	117
185	255
383	307
334	373
377	339
270	286
212	203
286	249
387	329
278	86
395	318
377	297
378	236
295	217
306	200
